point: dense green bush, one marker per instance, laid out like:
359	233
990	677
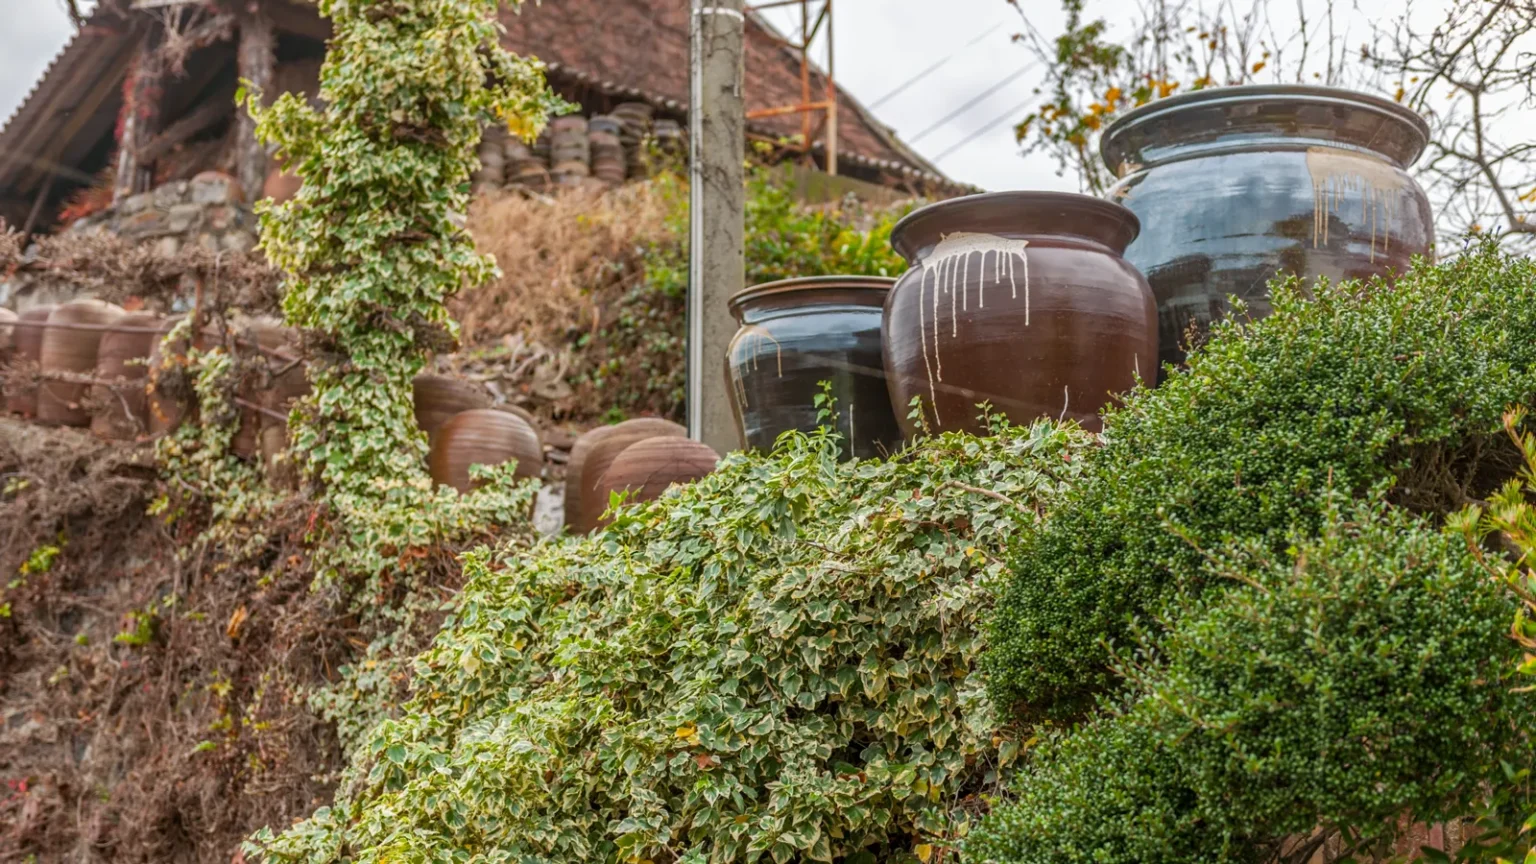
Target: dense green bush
775	661
1345	386
1353	678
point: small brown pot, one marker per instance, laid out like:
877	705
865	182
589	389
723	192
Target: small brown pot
439	399
71	351
592	455
26	351
1021	300
256	337
123	409
7	345
484	436
647	469
169	404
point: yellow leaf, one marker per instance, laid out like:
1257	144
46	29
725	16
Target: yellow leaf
686	731
235	620
1112	95
924	852
1400	94
1259	67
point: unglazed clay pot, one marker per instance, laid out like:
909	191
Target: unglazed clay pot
648	468
439	399
7	346
169	391
590	458
1020	300
484	436
796	334
26	351
257	339
71	351
123	408
1234	185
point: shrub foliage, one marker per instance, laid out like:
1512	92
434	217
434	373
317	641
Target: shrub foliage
776	661
1350	387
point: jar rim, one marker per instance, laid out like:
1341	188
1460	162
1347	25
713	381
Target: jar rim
1112	145
1027	212
807	284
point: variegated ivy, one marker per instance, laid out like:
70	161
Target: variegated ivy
775	663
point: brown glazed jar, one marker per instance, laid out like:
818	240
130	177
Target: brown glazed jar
26	351
1234	185
71	351
439	398
1020	300
650	467
123	409
794	335
484	436
592	455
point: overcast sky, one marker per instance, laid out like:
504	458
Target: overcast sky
880	45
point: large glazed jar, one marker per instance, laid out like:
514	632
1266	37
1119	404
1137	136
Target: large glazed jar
122	407
69	350
794	335
1019	300
26	351
1234	185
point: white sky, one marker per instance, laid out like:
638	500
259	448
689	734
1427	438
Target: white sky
880	44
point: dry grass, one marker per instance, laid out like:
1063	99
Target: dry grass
559	256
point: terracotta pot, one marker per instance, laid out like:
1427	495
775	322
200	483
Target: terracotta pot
1020	300
590	458
26	351
280	185
1234	185
439	399
7	334
648	468
71	351
484	436
256	337
123	409
796	334
166	408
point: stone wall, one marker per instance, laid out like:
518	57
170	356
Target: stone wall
209	211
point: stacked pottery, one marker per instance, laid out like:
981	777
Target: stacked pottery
439	399
167	402
484	437
1020	300
593	453
570	154
491	173
635	120
122	407
541	146
266	346
70	348
607	150
669	139
798	333
648	468
26	352
1236	185
523	167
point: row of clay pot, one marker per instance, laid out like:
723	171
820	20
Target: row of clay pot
642	458
1045	304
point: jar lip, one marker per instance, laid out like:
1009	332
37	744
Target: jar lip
1023	212
1111	144
808	284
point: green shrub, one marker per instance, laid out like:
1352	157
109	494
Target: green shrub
775	661
1350	387
1355	677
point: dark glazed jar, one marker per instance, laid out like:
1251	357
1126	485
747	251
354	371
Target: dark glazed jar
794	335
1020	300
1234	185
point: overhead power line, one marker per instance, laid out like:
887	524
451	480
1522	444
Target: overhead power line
998	121
980	97
905	85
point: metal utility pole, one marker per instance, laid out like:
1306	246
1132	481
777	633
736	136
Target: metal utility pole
717	221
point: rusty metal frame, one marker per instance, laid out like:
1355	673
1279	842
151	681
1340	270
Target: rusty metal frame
807	109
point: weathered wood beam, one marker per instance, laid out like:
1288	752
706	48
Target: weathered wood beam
208	114
299	19
256	60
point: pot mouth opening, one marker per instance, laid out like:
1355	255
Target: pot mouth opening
1017	214
1269	111
809	285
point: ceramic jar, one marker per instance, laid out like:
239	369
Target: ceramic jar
794	335
439	398
123	408
7	347
168	390
484	437
648	468
591	456
26	352
70	347
1234	185
1020	300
